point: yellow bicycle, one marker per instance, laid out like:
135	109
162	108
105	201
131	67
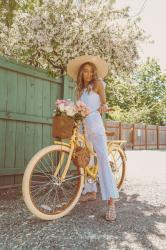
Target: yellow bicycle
52	183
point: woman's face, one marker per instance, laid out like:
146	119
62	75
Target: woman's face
87	73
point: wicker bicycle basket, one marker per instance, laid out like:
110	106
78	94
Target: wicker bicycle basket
62	126
81	156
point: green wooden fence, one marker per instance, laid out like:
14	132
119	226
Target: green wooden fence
27	97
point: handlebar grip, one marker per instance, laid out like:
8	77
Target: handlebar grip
110	109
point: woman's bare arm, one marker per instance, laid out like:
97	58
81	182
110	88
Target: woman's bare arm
101	92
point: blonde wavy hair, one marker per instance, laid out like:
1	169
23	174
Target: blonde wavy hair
80	81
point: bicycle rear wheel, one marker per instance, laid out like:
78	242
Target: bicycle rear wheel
117	164
44	194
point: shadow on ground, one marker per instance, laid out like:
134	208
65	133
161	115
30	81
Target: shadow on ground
139	225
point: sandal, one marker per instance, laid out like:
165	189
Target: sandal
111	213
90	196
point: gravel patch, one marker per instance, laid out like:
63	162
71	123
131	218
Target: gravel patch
140	224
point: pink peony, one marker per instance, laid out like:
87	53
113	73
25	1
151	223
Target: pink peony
70	109
80	104
58	101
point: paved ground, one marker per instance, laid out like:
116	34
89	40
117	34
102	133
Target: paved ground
141	222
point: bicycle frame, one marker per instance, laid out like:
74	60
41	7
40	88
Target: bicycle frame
76	137
70	145
89	171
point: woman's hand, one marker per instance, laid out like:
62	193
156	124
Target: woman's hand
103	108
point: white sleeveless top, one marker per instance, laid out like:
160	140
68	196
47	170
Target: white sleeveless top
93	122
91	99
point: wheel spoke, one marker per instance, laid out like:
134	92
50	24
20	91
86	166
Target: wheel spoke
38	190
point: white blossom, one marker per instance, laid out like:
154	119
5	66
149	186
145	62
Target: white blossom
57	31
61	107
70	110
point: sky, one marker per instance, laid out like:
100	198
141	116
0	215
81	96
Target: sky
153	15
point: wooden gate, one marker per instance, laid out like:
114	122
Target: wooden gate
27	97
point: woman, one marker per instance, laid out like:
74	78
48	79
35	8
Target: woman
86	70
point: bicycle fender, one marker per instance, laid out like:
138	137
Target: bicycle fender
62	143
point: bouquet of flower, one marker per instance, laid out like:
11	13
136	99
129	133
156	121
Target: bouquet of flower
77	111
66	114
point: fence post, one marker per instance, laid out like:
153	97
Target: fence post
145	137
158	142
133	136
120	130
68	88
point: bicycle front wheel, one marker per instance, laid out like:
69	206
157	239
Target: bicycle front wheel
45	195
118	164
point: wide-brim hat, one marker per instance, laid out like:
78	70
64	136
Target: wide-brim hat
74	65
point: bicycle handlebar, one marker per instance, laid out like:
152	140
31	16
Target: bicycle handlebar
108	110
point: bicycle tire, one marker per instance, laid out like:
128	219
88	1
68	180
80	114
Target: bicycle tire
117	164
34	176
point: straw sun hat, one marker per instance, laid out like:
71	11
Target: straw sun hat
74	65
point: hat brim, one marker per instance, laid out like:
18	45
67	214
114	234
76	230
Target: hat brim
74	65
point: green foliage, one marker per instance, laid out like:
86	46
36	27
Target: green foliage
140	99
8	7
